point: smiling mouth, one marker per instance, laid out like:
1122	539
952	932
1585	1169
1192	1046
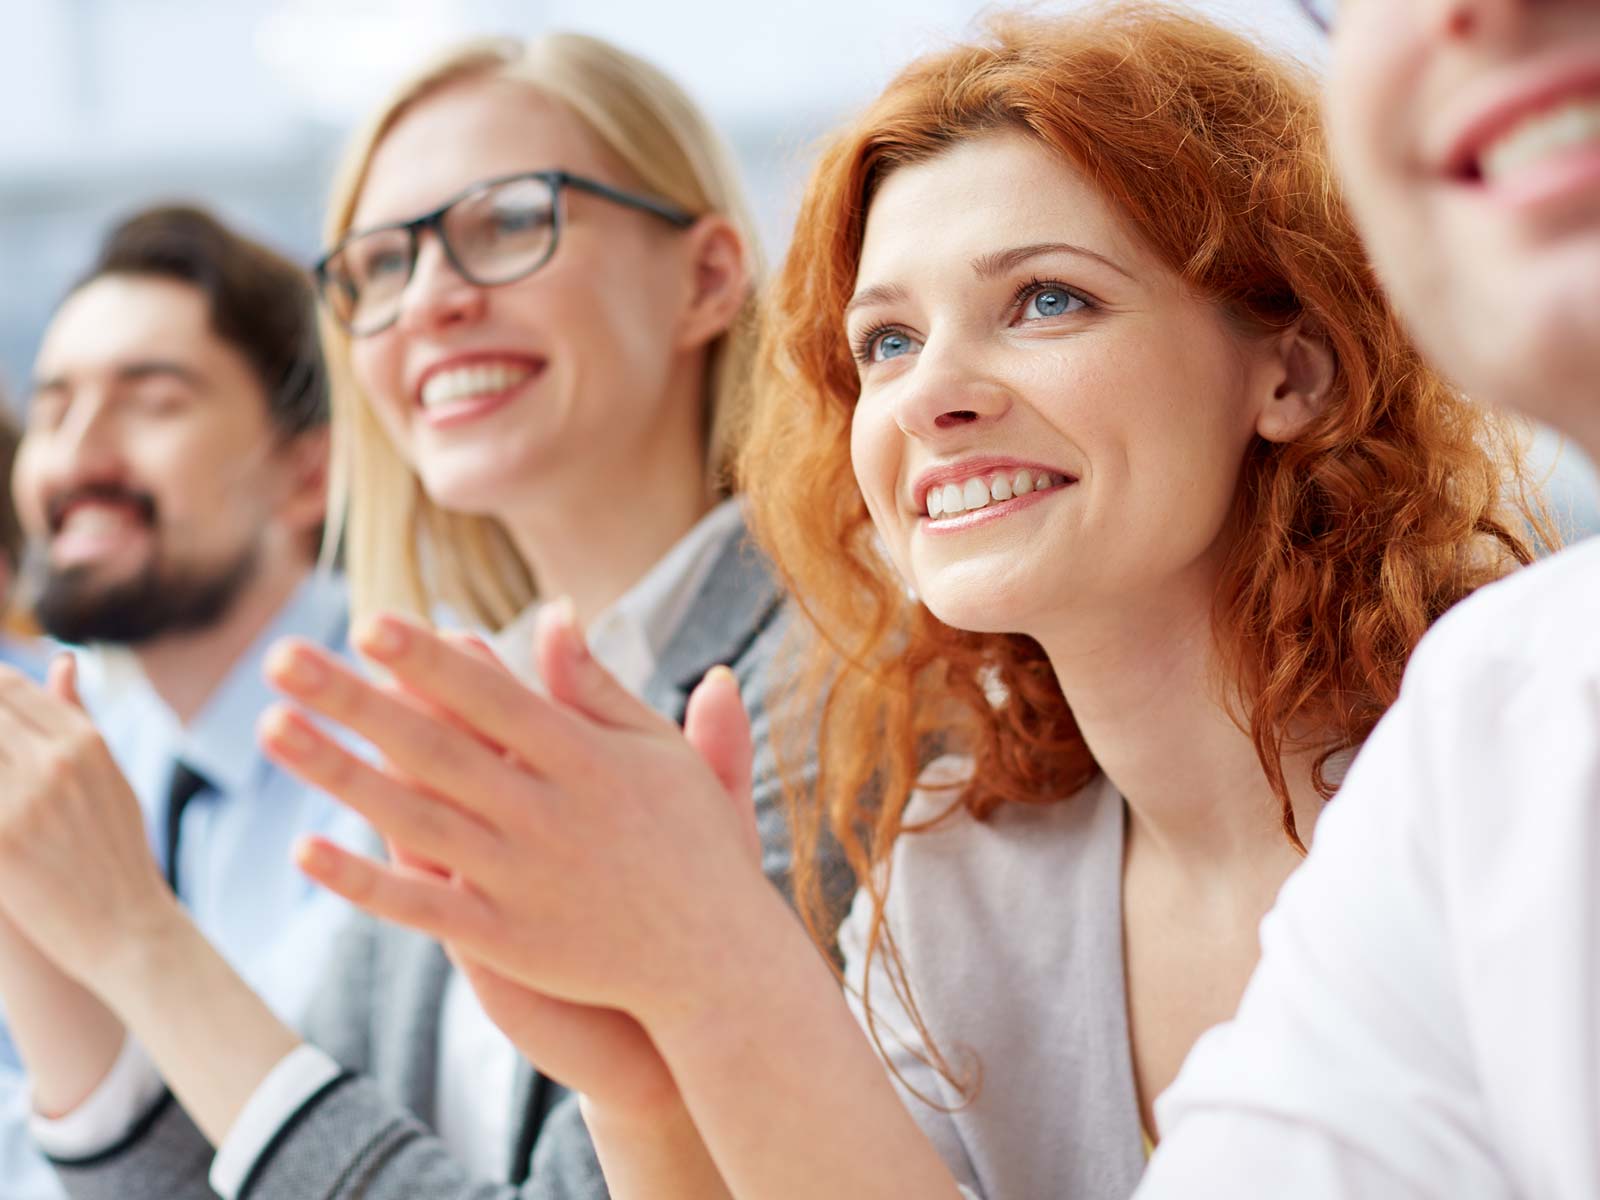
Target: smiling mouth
945	502
1539	138
471	384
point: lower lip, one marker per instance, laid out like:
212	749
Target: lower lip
448	416
990	512
1546	188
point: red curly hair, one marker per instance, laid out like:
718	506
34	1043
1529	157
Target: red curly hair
1350	540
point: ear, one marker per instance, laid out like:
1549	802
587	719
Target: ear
305	498
720	280
1301	376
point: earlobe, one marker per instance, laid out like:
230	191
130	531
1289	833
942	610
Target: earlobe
306	505
1305	370
721	280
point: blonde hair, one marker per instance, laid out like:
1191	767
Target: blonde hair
403	551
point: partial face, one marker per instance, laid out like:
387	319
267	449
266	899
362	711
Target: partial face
147	474
1469	138
1047	420
498	396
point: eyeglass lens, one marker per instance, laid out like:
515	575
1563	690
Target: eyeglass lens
492	236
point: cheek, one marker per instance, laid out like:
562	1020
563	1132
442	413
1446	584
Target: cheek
27	487
874	458
876	445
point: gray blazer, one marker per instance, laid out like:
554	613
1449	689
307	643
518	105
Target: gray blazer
366	1136
1011	932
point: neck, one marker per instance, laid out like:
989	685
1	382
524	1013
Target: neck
594	543
186	669
1144	688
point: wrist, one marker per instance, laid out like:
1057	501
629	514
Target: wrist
761	951
154	946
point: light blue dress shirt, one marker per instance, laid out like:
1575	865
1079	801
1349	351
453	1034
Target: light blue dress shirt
29	657
235	874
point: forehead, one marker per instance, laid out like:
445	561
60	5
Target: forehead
468	132
123	318
990	193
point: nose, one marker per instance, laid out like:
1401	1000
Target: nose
437	295
1477	20
85	443
945	396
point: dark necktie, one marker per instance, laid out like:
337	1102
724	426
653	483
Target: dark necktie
186	784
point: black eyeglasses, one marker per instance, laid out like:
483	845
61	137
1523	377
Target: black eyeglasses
495	232
1322	12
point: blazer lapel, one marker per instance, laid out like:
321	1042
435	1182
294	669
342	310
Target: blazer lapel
732	607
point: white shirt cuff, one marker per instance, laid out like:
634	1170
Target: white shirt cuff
109	1113
299	1075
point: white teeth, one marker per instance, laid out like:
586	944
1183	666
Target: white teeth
1542	136
92	520
953	499
480	379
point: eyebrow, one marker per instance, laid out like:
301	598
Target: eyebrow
988	266
133	372
880	293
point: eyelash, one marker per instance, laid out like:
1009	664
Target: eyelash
1036	285
861	345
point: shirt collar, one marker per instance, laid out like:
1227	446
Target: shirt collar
220	743
628	637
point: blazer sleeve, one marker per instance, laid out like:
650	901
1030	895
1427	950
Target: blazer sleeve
349	1141
762	672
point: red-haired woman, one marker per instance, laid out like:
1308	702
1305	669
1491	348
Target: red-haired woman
1108	479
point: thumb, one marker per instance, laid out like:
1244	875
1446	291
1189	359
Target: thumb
718	727
576	680
63	678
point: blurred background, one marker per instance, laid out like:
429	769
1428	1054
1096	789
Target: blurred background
243	105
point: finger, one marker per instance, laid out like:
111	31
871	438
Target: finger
474	644
431	826
570	1042
718	727
422	902
63	679
578	681
436	754
36	708
487	698
410	860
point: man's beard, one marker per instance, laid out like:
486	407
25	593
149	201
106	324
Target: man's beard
158	601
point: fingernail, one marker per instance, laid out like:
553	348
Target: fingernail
304	673
292	738
384	638
722	674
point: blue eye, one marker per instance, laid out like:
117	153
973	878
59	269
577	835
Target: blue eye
891	345
880	345
1051	302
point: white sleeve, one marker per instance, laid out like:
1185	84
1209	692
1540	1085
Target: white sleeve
109	1113
1348	1071
299	1076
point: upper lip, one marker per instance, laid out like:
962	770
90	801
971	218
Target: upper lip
1531	89
468	359
972	468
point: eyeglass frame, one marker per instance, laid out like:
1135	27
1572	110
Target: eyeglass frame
557	180
1312	10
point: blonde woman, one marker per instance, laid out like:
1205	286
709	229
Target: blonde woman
538	293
